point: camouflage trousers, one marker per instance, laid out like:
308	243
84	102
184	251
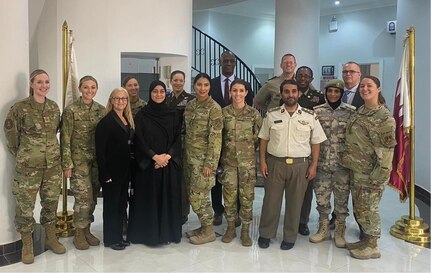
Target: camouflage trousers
26	184
199	187
366	199
336	182
85	186
238	180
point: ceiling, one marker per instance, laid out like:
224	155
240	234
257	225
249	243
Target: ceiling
266	8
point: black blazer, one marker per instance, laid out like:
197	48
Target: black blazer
357	100
113	148
216	92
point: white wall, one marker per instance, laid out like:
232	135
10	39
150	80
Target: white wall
105	28
417	13
14	54
251	39
361	37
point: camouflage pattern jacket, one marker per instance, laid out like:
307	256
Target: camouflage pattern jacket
31	133
137	105
334	124
78	126
370	142
203	123
240	140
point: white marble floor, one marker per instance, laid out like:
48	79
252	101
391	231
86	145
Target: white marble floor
397	255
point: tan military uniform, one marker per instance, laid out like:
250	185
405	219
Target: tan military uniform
203	123
268	95
238	160
31	133
288	150
78	153
370	142
331	176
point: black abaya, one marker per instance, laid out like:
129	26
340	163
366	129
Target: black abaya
155	206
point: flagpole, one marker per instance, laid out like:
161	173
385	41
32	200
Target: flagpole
64	223
410	228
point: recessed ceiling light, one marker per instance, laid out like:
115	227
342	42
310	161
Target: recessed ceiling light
336	3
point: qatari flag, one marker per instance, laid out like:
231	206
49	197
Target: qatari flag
400	175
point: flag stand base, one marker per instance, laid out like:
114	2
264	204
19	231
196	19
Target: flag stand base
413	231
64	224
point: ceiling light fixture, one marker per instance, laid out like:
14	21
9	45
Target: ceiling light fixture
336	3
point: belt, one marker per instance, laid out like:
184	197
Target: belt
289	160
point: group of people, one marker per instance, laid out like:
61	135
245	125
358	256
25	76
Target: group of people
179	150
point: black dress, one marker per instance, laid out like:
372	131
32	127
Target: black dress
155	205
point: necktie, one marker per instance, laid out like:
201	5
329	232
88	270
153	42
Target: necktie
226	92
345	95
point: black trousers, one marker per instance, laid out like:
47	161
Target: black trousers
115	195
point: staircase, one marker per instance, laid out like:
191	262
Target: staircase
206	59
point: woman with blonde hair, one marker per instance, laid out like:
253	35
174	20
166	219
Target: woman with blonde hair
114	135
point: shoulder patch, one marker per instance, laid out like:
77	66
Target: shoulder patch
311	112
274	109
8	124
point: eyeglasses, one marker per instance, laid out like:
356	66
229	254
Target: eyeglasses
351	72
120	99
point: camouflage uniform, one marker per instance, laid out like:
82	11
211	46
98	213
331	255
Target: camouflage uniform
203	123
331	177
370	141
238	160
269	95
31	134
137	105
78	153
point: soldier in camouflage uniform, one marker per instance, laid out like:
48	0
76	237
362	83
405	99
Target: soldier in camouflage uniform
203	122
78	154
331	177
238	160
268	95
370	142
131	84
31	128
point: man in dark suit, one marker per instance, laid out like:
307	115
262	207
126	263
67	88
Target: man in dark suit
351	78
220	93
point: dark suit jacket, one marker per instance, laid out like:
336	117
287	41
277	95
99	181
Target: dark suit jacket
217	95
113	148
357	100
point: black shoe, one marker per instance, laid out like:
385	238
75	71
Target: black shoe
117	246
286	245
263	242
332	222
218	219
125	243
237	222
303	229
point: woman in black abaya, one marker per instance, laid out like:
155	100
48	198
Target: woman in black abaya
155	210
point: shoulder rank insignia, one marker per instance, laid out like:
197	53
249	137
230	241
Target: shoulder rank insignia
311	112
274	109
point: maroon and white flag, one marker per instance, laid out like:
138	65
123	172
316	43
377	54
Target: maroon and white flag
400	175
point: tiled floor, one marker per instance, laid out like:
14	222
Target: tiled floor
397	255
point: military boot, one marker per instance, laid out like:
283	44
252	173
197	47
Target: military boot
91	239
230	232
340	228
245	235
51	240
27	255
357	244
368	250
193	232
79	239
206	235
322	234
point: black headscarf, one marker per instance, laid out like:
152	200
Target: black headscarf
334	105
156	107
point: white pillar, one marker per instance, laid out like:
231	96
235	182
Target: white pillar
297	32
14	53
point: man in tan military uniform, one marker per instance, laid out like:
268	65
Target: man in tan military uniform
288	136
268	95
